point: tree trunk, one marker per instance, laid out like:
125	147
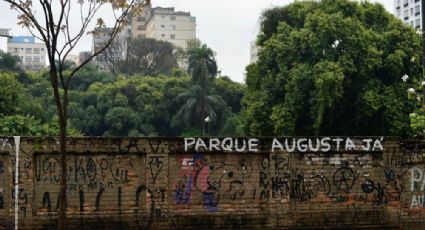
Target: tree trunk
62	113
63	176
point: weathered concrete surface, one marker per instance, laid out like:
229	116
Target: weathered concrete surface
161	183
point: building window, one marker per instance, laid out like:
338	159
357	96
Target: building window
417	10
140	27
141	19
173	18
418	23
36	50
406	3
173	27
163	35
162	26
36	59
162	16
172	36
28	50
27	59
406	14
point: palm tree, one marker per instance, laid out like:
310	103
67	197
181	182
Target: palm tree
197	106
197	103
202	65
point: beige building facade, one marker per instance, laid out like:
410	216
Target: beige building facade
32	55
166	24
101	37
74	59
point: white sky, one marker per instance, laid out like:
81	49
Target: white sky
227	26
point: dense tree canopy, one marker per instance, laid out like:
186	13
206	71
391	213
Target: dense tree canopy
331	67
140	56
9	62
104	105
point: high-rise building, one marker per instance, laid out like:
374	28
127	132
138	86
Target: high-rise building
409	11
166	24
32	54
254	52
101	37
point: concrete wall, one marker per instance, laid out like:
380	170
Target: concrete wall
174	183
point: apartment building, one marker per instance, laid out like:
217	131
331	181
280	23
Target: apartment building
166	24
409	11
32	54
254	52
100	38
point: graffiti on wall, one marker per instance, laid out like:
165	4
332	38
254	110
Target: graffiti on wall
354	178
93	182
212	181
417	186
324	144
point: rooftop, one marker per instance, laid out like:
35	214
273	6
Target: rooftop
21	39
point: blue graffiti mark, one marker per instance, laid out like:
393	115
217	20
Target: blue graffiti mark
210	201
183	192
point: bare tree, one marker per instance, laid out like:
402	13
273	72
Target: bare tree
144	56
112	58
50	22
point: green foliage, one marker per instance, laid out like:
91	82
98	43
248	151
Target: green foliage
231	92
101	104
202	65
88	75
232	127
331	67
122	121
9	93
29	126
198	103
417	123
9	62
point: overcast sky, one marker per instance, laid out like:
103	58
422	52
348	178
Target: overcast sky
227	26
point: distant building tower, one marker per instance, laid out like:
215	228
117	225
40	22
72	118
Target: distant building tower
32	55
166	24
254	52
101	37
74	59
4	32
409	11
83	56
